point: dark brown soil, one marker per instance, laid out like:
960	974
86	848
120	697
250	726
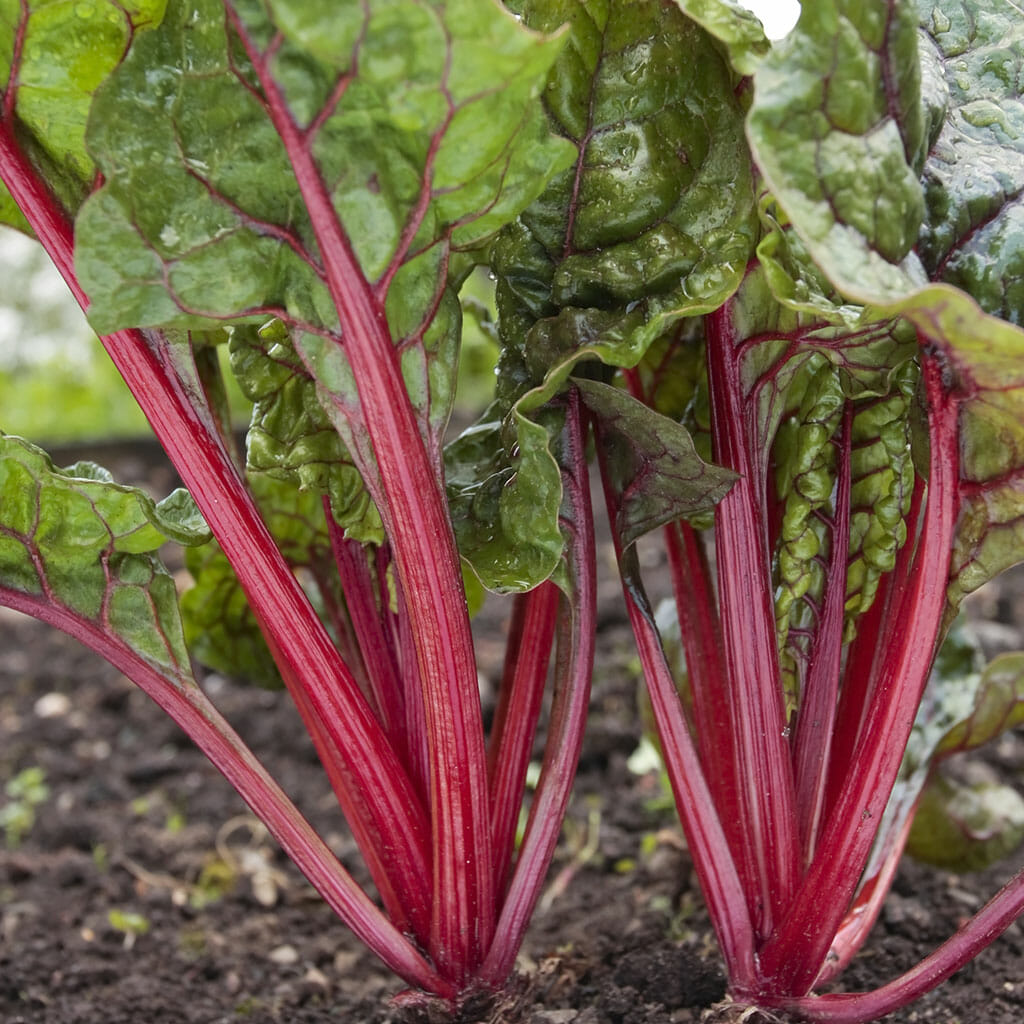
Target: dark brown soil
137	822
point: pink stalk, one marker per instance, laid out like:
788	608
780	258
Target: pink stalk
867	654
515	725
336	616
863	1007
719	880
701	634
713	859
817	714
574	666
361	601
702	645
769	861
409	673
418	526
866	907
186	703
382	808
515	633
793	956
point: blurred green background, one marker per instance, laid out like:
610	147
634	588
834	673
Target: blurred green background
57	384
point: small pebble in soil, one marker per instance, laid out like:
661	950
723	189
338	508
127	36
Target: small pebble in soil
284	955
52	705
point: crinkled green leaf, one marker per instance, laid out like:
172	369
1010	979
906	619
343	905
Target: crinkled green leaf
967	234
955	113
798	372
505	491
962	827
971	238
867	348
837	127
734	25
881	487
804	457
985	357
655	220
652	463
56	54
795	279
290	436
179	118
220	627
621	246
77	539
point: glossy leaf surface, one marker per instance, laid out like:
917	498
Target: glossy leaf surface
52	58
231	238
655	218
838	132
291	438
505	493
75	538
631	237
734	25
941	143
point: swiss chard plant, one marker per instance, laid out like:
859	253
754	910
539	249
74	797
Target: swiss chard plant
775	291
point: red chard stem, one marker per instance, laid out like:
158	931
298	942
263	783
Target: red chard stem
795	954
769	860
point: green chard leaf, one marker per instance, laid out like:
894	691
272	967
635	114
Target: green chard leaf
974	177
735	26
966	826
986	355
804	456
82	543
656	218
52	58
800	371
795	279
654	221
903	186
181	117
505	493
837	129
881	488
425	146
290	436
906	166
973	183
998	706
